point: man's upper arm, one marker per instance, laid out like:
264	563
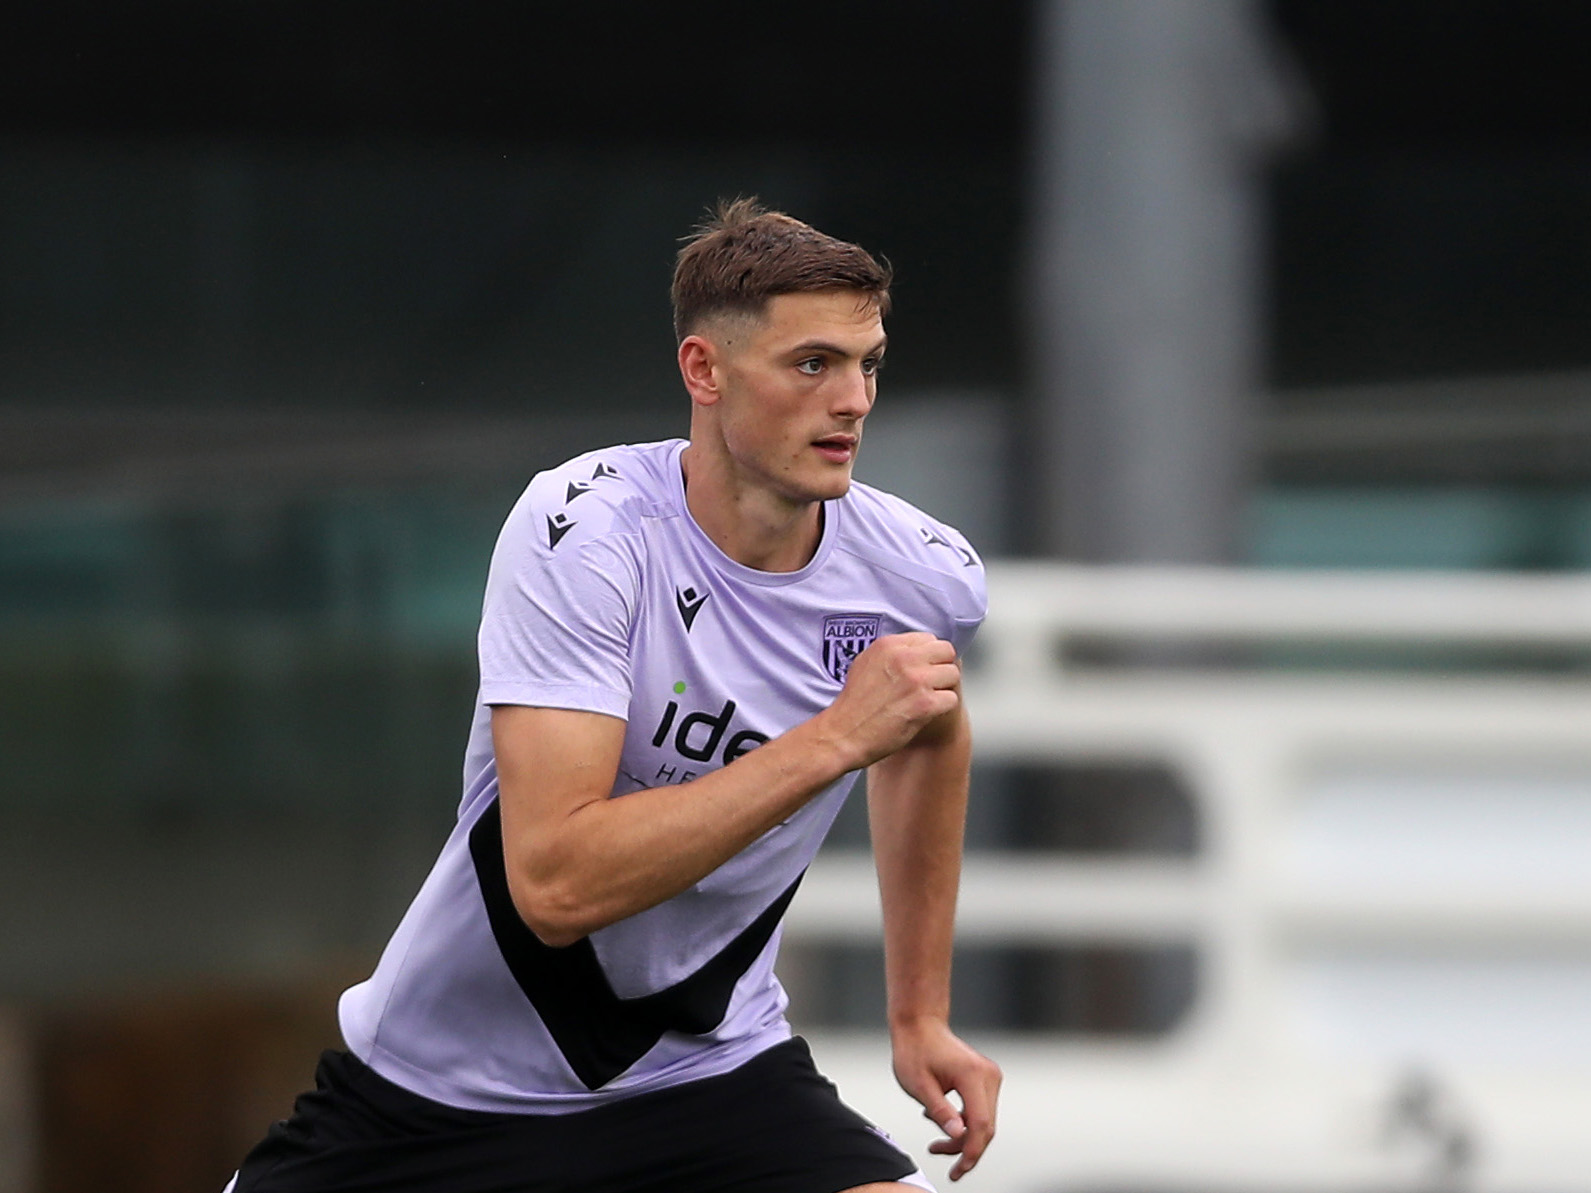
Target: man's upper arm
561	603
946	730
550	763
552	760
932	769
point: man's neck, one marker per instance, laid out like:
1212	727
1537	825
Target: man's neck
749	524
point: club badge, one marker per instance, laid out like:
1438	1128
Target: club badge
846	635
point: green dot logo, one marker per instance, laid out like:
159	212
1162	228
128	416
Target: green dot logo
679	688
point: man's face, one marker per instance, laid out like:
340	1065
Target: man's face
794	389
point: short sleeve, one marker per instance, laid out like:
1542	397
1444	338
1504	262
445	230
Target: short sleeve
556	623
970	594
962	634
964	624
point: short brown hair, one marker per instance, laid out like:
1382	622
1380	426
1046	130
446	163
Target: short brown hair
745	254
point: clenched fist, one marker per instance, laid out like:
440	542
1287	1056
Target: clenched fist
894	688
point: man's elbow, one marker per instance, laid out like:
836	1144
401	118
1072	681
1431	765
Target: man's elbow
556	916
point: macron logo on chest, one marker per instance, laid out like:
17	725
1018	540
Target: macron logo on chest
689	602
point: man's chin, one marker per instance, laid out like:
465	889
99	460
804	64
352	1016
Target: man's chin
837	487
825	485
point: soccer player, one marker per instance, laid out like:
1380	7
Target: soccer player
688	650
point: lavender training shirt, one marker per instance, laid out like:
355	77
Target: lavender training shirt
605	596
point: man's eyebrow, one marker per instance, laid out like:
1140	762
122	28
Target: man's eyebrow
835	349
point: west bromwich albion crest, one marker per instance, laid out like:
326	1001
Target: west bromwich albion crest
846	635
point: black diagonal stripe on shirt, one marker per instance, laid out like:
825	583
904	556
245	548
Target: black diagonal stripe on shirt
600	1034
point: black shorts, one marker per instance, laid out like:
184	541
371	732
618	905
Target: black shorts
774	1125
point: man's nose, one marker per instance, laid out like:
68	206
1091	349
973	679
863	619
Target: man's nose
854	395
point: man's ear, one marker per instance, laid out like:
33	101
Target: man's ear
698	366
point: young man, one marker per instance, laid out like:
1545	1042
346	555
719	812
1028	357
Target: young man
688	650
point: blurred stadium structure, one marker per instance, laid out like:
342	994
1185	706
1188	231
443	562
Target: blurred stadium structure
1388	916
1276	877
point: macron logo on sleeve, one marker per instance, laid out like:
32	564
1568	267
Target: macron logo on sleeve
558	525
561	524
930	539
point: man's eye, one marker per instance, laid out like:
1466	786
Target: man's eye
872	365
812	366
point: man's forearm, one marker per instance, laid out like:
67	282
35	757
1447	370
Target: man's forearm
607	859
917	802
578	860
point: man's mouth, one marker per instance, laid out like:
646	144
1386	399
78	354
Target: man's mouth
838	448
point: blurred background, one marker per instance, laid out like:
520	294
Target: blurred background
1251	343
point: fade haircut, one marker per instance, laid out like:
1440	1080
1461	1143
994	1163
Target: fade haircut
745	254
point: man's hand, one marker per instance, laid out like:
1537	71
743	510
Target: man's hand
894	688
931	1063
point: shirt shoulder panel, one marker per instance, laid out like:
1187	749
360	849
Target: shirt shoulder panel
595	495
892	535
565	586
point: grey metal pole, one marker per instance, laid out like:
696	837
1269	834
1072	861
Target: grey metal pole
1151	120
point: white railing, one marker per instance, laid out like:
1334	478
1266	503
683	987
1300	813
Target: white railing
1391	907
